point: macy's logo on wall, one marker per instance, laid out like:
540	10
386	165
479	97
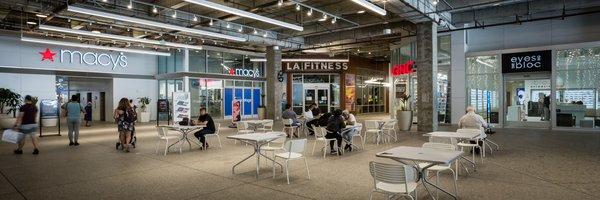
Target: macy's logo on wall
88	58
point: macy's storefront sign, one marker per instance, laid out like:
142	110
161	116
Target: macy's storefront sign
88	58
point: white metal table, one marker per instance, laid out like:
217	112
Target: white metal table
256	123
256	140
458	136
185	131
419	154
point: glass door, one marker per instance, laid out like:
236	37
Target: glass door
318	96
527	101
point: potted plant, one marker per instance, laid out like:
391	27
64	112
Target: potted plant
9	101
262	110
404	114
144	113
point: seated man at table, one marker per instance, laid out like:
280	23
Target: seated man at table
348	133
289	113
205	119
335	124
471	120
314	110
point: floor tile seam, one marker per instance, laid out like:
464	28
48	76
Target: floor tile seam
13	185
542	179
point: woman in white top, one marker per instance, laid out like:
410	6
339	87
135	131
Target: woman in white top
347	133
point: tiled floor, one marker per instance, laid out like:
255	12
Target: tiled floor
532	164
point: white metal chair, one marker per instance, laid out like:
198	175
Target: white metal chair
273	146
472	147
440	168
267	126
288	125
164	136
216	134
388	128
392	180
320	138
372	127
359	134
242	128
294	150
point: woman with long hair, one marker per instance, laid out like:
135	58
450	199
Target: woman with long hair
125	116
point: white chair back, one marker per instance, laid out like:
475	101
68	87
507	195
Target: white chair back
319	131
308	115
269	123
392	174
217	128
162	131
288	122
371	124
471	130
242	125
359	127
295	146
444	140
438	146
391	124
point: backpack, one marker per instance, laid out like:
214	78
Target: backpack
130	116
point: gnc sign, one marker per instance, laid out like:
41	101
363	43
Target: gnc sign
404	68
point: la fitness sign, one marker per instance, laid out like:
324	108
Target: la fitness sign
88	58
316	66
532	61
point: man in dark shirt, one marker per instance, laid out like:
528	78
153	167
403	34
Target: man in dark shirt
314	109
27	125
335	124
205	118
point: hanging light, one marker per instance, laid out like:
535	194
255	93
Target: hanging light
210	23
297	7
309	13
228	26
265	35
324	16
434	2
174	14
195	18
154	9
333	20
241	29
255	32
280	3
130	6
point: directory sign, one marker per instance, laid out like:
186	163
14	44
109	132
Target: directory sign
181	106
532	61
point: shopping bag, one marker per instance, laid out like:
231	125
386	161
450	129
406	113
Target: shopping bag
12	136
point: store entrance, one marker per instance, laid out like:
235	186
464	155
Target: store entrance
87	90
318	96
527	100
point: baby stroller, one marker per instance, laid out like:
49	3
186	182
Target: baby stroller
118	145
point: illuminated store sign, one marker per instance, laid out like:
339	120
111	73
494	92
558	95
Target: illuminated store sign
254	73
88	58
404	68
316	66
532	61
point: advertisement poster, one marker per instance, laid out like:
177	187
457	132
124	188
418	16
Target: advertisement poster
350	91
49	109
181	106
162	105
236	110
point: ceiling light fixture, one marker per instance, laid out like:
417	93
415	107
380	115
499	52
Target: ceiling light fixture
154	9
309	13
210	23
255	32
298	7
228	26
152	23
98	34
333	20
370	6
41	15
300	60
174	14
195	18
434	2
88	46
241	29
280	3
130	5
360	12
246	14
324	16
31	23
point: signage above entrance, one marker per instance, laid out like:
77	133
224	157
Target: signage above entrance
88	58
532	61
315	66
404	68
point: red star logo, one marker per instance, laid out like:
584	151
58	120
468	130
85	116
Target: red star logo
231	72
48	55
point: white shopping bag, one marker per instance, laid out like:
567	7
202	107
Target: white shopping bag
11	136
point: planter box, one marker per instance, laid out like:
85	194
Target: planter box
404	118
144	117
7	122
262	113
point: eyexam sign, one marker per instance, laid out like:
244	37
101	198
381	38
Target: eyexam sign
88	58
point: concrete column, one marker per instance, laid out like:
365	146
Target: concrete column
275	90
427	77
458	100
186	68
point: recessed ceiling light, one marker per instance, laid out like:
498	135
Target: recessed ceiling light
32	23
360	12
41	15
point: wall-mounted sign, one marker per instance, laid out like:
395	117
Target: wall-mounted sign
532	61
254	73
404	68
89	58
315	66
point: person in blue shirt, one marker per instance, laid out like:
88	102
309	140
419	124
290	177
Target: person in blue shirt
74	110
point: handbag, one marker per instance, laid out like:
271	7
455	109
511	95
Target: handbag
12	136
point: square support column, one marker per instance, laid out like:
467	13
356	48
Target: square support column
427	112
458	100
275	90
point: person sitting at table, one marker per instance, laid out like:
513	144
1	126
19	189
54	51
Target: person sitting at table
335	124
314	109
204	119
349	132
288	113
472	120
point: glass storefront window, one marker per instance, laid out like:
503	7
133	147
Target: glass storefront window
484	80
197	61
443	82
577	100
334	92
214	61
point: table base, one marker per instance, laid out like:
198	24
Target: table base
258	155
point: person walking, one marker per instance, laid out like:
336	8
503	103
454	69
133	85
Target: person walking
88	114
26	124
74	111
125	116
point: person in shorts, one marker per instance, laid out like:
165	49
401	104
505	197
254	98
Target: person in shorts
125	116
26	124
